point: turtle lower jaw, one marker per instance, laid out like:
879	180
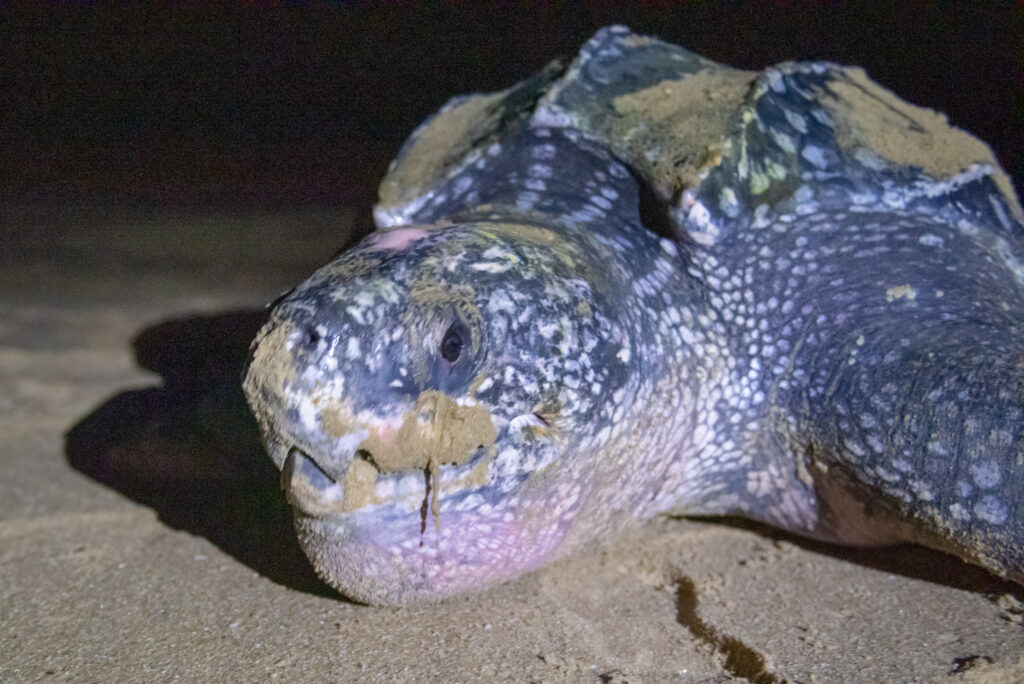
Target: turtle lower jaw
381	538
396	551
390	556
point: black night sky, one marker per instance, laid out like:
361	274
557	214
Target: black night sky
298	105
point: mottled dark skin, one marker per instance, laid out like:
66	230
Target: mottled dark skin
649	283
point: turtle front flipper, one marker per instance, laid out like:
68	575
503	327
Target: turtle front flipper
921	437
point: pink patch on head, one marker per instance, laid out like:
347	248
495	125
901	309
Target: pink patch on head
399	238
385	433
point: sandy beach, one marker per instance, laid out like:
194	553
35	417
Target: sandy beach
143	536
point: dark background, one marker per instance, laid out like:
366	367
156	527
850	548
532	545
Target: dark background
306	106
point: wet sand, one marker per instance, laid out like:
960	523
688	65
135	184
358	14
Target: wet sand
143	538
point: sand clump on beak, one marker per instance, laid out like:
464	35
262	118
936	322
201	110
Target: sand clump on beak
435	432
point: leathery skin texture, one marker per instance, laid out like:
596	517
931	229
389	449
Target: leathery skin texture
646	283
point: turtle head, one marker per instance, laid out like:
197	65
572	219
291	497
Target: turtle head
420	395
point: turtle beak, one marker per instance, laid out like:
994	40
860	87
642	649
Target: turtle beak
307	487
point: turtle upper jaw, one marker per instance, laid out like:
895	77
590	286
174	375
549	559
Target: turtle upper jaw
308	488
320	488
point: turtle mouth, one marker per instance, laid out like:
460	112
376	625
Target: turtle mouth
314	492
383	538
316	487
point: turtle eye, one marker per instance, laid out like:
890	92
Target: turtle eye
454	341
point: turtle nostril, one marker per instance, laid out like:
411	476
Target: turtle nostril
310	337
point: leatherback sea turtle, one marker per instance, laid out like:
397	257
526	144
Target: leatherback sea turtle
649	283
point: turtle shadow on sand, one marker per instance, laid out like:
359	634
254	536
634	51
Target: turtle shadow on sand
907	560
190	450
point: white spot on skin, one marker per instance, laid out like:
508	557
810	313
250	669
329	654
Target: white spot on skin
902	465
352	350
702	230
796	121
525	420
986	475
922	490
618	171
822	117
784	141
500	302
308	414
548	330
815	155
991	510
545	152
728	202
492	266
357	314
495	252
462	185
959	512
526	200
541	171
